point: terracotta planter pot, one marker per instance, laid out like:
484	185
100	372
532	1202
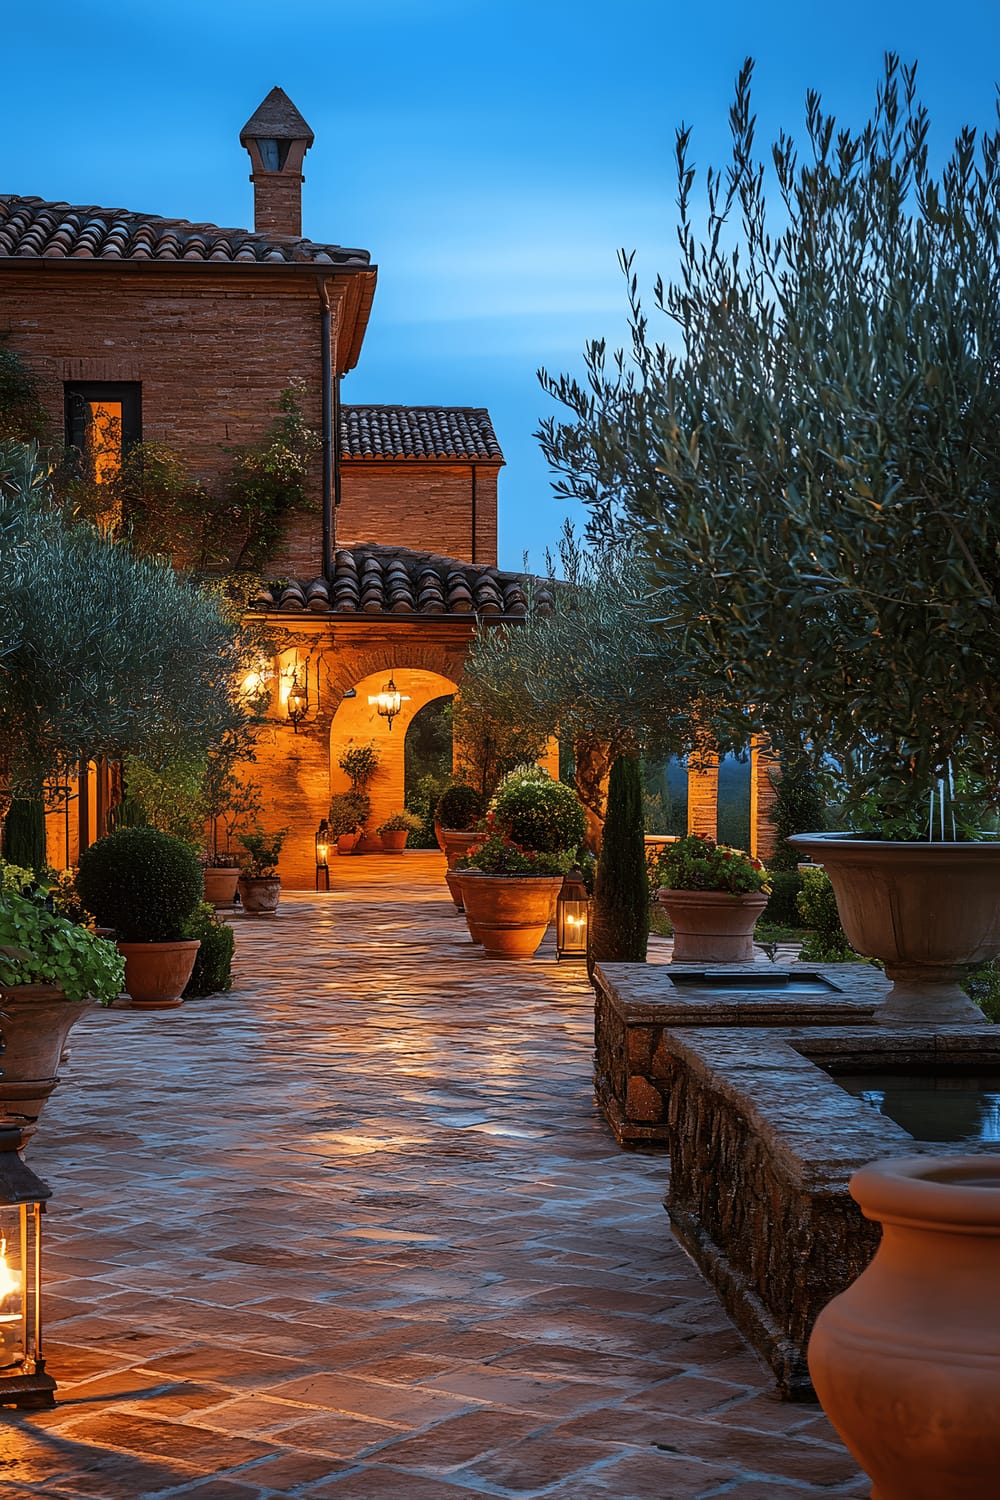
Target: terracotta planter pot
156	973
905	1361
346	843
711	927
220	885
35	1020
394	842
368	843
458	842
259	894
439	835
510	912
931	912
457	880
454	879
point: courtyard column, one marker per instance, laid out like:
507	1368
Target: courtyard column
703	789
763	763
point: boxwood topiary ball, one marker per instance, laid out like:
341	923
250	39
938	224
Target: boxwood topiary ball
142	883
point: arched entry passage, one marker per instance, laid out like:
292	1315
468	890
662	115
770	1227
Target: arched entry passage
357	722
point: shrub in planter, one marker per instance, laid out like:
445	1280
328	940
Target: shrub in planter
212	970
538	813
261	853
142	883
713	895
396	830
460	808
698	863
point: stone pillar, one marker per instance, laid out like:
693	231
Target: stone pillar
763	838
703	790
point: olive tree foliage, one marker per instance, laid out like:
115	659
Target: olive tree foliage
588	661
103	653
810	460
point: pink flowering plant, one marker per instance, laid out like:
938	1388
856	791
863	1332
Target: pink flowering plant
698	863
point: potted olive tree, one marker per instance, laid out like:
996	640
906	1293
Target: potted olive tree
346	818
260	883
360	762
396	830
144	886
809	461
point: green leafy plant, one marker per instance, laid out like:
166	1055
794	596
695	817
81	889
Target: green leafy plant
460	807
360	763
23	418
399	821
17	879
142	883
799	807
817	908
213	965
38	947
348	813
498	854
782	906
263	850
698	863
536	812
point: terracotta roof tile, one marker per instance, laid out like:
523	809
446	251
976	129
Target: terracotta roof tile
369	579
33	228
394	432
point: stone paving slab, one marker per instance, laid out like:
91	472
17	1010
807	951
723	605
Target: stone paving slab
356	1229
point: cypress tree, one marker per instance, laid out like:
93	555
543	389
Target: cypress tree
620	926
24	834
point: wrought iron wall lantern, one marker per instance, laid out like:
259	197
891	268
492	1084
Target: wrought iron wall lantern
573	918
23	1381
323	854
297	702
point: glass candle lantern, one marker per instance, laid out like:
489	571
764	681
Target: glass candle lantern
572	918
23	1381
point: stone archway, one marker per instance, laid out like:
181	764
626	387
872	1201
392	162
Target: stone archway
357	722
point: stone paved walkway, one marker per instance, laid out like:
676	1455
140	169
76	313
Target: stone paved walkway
355	1230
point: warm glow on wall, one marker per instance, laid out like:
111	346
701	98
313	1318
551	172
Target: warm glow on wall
104	439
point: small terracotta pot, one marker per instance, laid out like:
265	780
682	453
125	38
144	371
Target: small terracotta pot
458	841
259	894
711	927
156	973
394	842
36	1022
220	884
346	843
510	912
905	1361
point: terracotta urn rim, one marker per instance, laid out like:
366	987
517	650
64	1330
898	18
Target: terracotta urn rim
958	1192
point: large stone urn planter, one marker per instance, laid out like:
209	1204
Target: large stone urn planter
35	1020
905	1361
931	912
510	913
220	884
714	927
260	893
156	973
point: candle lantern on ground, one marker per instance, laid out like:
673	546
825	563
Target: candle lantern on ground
23	1381
323	855
572	918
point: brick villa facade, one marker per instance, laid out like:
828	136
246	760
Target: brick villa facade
189	333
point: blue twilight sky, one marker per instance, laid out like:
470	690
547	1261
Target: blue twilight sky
492	155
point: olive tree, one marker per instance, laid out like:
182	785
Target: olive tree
103	653
810	459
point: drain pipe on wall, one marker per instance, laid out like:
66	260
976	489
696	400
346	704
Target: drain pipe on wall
331	469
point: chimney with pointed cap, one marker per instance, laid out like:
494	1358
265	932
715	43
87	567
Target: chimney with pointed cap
277	139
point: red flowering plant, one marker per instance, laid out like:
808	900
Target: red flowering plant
698	863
